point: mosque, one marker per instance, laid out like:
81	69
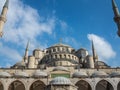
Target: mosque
60	67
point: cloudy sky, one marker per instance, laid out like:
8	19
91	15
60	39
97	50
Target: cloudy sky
44	22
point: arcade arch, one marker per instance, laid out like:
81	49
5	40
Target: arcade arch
118	86
104	85
37	85
16	85
1	86
83	85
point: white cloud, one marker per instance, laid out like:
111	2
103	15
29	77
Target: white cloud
63	24
24	22
103	48
71	41
8	65
9	53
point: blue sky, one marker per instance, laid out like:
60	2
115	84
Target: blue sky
44	22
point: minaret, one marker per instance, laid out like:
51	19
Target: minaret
95	56
3	17
117	16
26	53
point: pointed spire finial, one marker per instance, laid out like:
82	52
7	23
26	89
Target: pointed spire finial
114	4
27	46
6	4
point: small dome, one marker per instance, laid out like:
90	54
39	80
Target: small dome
21	74
39	73
80	74
4	74
99	74
115	74
60	68
61	81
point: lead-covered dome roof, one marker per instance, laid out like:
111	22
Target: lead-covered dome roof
21	74
60	68
115	74
4	74
60	44
61	81
39	73
99	74
79	74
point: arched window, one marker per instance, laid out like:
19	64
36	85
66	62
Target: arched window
63	49
75	58
56	56
60	56
37	85
16	85
54	50
69	56
64	56
118	86
104	85
46	51
1	86
72	57
83	85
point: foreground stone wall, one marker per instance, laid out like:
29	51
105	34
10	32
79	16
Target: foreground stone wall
27	82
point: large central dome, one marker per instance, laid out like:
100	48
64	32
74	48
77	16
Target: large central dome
60	44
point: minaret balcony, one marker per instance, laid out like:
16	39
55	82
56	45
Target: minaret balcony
2	18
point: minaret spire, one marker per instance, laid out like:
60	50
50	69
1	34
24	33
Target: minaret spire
115	8
95	57
26	53
6	4
117	16
3	17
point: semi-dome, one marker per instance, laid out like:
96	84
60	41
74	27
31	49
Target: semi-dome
80	74
39	73
115	74
21	74
61	81
4	74
60	68
99	74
